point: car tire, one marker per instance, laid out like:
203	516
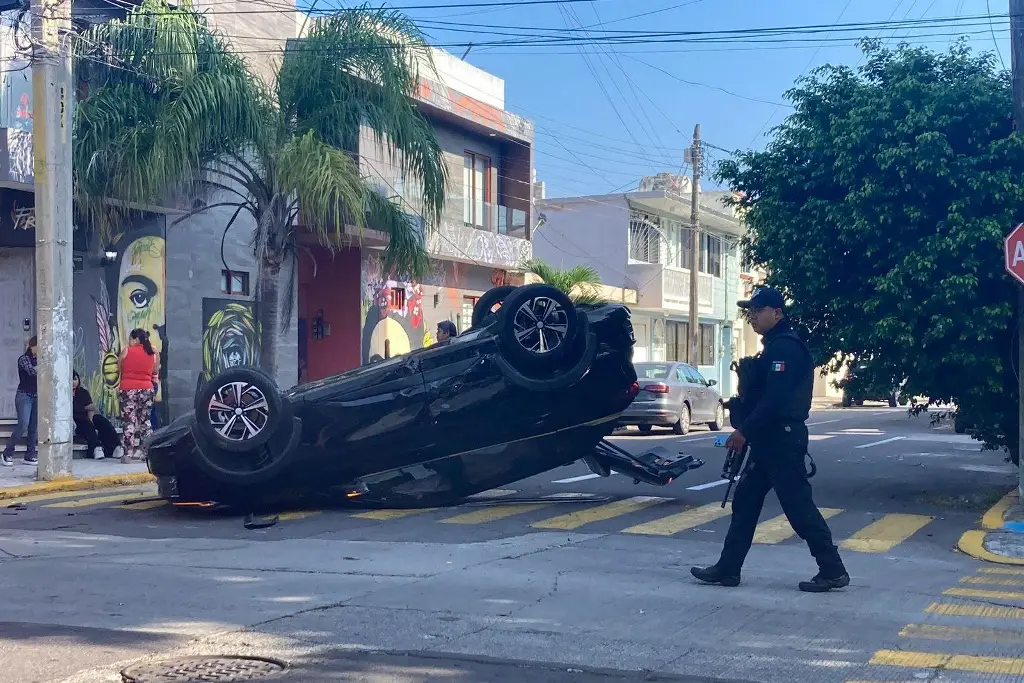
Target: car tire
719	421
682	425
644	429
586	341
517	316
221	426
482	309
236	470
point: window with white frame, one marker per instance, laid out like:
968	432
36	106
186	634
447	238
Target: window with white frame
711	254
644	238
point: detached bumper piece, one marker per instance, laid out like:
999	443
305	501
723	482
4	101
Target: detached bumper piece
658	466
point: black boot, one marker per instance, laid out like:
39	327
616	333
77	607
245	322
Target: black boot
715	575
823	584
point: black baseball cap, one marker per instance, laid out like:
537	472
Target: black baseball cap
764	297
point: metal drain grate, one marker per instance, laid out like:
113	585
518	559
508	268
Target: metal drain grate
203	670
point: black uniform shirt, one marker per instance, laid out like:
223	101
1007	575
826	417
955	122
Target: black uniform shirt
81	399
788	381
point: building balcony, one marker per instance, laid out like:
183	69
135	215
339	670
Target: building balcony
497	240
668	288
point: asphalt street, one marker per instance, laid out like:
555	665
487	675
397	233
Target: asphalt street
581	577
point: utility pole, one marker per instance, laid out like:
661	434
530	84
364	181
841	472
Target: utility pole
1016	63
697	157
52	94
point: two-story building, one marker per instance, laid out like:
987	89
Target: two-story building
349	308
643	240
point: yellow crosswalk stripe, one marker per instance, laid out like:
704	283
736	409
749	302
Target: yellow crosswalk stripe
96	500
778	529
143	505
392	514
886	533
493	513
62	495
992	581
936	632
1006	571
976	593
296	515
1011	666
574	520
673	524
947	609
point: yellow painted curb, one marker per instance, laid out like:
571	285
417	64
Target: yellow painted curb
973	544
996	514
72	484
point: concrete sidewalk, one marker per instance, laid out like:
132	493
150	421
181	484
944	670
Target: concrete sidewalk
20	480
1001	538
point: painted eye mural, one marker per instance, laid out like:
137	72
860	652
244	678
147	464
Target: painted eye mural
138	283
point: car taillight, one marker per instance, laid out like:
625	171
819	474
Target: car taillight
634	389
657	388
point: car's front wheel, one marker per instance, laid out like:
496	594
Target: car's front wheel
491	298
239	410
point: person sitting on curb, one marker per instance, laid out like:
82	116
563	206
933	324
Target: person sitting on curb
102	439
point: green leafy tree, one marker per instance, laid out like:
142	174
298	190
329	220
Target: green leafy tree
880	207
171	108
580	283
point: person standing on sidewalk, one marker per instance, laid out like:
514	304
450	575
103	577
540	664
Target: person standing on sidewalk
26	401
778	439
140	370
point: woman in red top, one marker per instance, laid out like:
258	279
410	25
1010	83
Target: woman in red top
140	370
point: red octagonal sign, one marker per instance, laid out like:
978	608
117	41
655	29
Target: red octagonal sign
1015	253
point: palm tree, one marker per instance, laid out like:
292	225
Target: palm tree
580	283
172	107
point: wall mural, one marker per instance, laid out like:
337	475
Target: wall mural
138	280
231	336
457	241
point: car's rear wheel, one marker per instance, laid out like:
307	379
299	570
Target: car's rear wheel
719	421
239	410
490	298
539	325
682	425
644	429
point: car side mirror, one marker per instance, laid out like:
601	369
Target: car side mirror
712	382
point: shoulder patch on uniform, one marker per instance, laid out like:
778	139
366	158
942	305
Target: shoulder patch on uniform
778	366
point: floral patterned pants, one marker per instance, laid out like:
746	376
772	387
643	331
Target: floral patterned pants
136	405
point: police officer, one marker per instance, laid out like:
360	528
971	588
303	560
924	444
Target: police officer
776	431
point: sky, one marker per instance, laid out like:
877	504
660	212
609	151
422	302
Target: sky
621	112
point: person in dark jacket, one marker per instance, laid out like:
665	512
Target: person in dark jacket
446	330
26	401
777	435
102	439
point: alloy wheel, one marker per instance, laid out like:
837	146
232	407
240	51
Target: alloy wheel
541	325
239	411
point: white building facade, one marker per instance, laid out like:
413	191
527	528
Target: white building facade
644	241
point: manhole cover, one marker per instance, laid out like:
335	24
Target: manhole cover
202	670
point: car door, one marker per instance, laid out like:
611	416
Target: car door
698	390
709	397
374	412
688	390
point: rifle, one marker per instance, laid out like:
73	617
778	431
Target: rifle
735	465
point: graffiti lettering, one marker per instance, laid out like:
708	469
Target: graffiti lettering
23	218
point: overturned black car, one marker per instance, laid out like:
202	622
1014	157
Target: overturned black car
534	385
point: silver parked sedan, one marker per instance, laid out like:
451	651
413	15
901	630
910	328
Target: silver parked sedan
674	395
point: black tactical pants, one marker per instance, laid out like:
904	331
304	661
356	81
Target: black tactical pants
777	462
